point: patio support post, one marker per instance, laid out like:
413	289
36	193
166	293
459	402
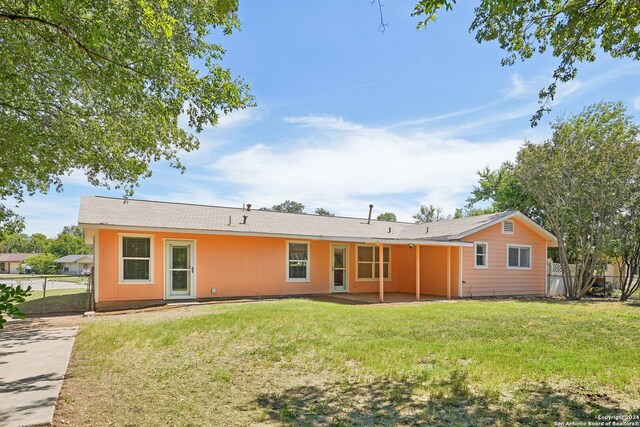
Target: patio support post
381	272
417	272
448	272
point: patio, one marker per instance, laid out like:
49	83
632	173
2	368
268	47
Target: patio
374	298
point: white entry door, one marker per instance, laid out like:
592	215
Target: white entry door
180	269
339	272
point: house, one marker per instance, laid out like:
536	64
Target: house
76	264
148	252
13	263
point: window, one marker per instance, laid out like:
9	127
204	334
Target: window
481	260
297	261
518	256
368	265
507	227
136	254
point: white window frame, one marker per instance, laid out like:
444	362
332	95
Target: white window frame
519	246
308	274
513	226
475	255
373	263
121	279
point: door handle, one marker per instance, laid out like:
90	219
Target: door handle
192	269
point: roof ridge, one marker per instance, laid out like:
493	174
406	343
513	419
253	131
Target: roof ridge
245	210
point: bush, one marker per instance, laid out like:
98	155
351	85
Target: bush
9	297
42	264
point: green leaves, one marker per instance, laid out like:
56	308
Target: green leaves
99	87
573	30
9	297
580	179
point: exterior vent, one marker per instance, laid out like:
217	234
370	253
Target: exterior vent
507	227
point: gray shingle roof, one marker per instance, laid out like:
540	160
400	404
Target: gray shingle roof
73	258
111	212
15	257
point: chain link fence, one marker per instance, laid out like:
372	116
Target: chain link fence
54	294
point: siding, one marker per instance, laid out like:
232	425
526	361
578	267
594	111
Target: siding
497	279
236	266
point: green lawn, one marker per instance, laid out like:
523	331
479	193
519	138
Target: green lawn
300	362
56	301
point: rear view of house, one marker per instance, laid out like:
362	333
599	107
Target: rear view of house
148	252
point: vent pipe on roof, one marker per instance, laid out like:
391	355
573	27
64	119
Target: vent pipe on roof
426	231
389	229
248	207
369	219
244	220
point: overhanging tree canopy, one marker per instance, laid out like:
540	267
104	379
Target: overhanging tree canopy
572	30
99	86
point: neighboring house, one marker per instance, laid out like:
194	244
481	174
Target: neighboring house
76	264
11	263
149	252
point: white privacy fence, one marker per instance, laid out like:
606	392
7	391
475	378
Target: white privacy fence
555	281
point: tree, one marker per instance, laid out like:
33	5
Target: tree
73	230
67	244
16	243
42	263
9	298
289	206
99	86
624	243
39	243
503	190
579	178
387	216
10	222
429	214
574	31
322	212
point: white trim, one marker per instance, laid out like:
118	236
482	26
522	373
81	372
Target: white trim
460	262
361	240
486	255
346	267
550	237
373	272
513	226
308	275
121	280
517	245
166	244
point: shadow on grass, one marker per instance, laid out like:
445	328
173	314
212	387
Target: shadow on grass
77	302
445	402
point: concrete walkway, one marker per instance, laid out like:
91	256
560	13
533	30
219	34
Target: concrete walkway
32	367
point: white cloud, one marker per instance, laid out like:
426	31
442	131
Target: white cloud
347	165
636	103
518	87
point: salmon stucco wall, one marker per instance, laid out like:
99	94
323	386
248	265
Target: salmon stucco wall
234	266
497	279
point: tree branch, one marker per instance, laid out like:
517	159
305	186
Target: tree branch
61	29
383	25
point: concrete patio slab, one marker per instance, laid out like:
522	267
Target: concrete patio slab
389	297
32	366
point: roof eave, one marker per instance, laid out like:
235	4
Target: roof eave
350	239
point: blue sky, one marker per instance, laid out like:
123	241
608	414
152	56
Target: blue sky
349	116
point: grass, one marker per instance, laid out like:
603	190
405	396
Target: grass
56	301
299	362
